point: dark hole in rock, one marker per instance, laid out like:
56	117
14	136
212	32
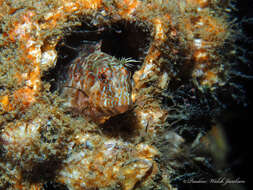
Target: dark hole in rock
121	126
54	186
45	170
121	40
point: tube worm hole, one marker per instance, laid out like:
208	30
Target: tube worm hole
121	40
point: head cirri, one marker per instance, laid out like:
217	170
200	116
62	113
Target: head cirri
98	85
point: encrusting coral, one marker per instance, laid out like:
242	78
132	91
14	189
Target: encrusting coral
41	141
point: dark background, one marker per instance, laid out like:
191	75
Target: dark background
238	124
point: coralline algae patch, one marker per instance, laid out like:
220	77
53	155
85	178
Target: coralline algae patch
36	130
117	164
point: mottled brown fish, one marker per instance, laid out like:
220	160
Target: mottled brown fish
98	85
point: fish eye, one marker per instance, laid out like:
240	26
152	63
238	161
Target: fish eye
102	77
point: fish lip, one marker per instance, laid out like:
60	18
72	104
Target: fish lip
122	108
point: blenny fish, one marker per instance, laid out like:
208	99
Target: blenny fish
98	85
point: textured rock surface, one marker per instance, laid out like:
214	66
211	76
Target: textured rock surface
184	49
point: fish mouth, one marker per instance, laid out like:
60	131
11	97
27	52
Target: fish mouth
122	109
